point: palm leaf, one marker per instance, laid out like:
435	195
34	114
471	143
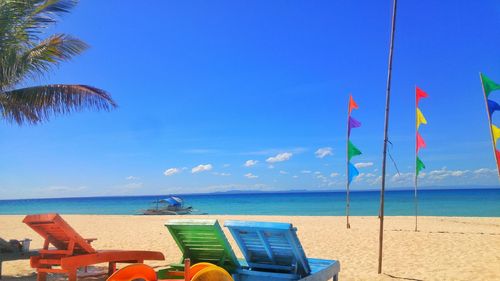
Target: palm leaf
37	61
22	21
34	105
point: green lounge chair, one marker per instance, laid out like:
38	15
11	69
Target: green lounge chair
10	252
200	241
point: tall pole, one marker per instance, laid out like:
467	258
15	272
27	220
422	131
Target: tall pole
490	123
348	199
415	199
386	129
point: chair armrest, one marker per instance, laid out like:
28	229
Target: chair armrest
90	240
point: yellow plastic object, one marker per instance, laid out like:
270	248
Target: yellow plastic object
133	272
212	273
195	268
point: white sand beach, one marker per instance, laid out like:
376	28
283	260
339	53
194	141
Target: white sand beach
445	248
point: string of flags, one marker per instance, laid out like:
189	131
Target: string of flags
420	143
492	106
352	150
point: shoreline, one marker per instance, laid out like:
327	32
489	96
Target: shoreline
444	248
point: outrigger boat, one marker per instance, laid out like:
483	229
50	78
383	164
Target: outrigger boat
169	206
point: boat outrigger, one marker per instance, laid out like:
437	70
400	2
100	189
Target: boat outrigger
169	206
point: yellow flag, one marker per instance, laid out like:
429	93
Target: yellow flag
420	118
496	133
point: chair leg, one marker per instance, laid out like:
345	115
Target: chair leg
336	277
72	275
41	276
0	269
111	268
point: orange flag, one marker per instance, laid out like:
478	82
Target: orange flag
352	104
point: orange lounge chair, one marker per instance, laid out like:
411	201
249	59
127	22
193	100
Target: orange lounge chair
72	251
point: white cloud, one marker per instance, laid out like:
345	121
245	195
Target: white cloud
403	178
363	164
333	175
323	152
280	157
131	178
201	168
250	163
171	172
305	172
271	166
484	171
222	174
251	176
284	172
295	176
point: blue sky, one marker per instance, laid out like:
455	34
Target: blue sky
218	83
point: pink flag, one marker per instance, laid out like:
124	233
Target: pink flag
420	142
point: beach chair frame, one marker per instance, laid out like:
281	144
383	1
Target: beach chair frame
273	252
202	240
72	251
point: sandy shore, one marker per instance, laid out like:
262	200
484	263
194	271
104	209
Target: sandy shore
445	248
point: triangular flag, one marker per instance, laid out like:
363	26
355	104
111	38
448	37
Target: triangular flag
420	94
496	133
497	154
493	106
420	118
353	123
352	104
352	150
488	85
353	172
421	142
419	166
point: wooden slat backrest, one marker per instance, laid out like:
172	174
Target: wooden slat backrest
203	241
270	246
56	231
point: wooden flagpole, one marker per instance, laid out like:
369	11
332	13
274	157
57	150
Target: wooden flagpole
490	124
386	139
415	195
347	167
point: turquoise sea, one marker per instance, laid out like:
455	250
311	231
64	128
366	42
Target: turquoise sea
463	202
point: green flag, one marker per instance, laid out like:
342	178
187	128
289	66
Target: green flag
420	165
352	150
489	85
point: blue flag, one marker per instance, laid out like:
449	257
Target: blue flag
493	106
352	172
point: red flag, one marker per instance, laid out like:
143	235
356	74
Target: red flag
420	142
420	94
352	104
497	152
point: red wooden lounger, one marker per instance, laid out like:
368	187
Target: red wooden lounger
72	251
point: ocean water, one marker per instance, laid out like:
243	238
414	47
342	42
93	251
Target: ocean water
464	202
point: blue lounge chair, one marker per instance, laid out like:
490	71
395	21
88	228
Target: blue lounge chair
273	252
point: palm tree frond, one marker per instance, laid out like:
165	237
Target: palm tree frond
52	51
39	60
22	21
34	105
